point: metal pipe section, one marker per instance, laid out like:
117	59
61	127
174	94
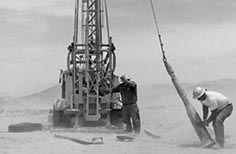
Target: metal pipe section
75	40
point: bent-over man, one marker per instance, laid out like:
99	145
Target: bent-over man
220	107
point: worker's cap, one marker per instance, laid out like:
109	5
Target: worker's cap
125	77
198	92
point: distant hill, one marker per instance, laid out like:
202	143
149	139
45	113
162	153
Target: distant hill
40	100
146	94
163	91
2	102
2	99
225	86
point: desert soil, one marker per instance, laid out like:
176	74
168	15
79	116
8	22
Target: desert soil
165	116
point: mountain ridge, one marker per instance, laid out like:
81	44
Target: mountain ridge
46	98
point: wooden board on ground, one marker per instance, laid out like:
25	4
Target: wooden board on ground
81	141
125	138
25	127
152	134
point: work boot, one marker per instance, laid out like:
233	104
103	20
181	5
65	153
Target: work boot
220	142
137	127
208	145
218	146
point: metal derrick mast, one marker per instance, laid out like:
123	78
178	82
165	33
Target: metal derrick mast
90	62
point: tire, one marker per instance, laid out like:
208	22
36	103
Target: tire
25	127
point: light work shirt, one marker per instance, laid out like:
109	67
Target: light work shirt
215	100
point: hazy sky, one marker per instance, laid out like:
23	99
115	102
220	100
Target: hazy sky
199	39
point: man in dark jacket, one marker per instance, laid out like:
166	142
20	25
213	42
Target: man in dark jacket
130	111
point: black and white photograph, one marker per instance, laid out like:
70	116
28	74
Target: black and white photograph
117	76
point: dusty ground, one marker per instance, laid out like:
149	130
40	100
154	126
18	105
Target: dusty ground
163	115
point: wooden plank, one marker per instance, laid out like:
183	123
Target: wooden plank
125	138
84	142
152	134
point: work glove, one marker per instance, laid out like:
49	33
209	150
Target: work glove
105	91
123	79
205	123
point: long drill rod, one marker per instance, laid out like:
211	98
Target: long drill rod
194	117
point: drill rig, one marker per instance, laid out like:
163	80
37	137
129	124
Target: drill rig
90	69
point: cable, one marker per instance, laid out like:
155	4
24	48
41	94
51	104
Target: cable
108	31
154	16
158	32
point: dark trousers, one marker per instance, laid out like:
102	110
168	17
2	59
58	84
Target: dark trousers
218	123
131	112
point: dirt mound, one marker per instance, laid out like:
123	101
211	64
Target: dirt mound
40	100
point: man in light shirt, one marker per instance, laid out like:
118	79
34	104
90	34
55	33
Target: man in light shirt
220	107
